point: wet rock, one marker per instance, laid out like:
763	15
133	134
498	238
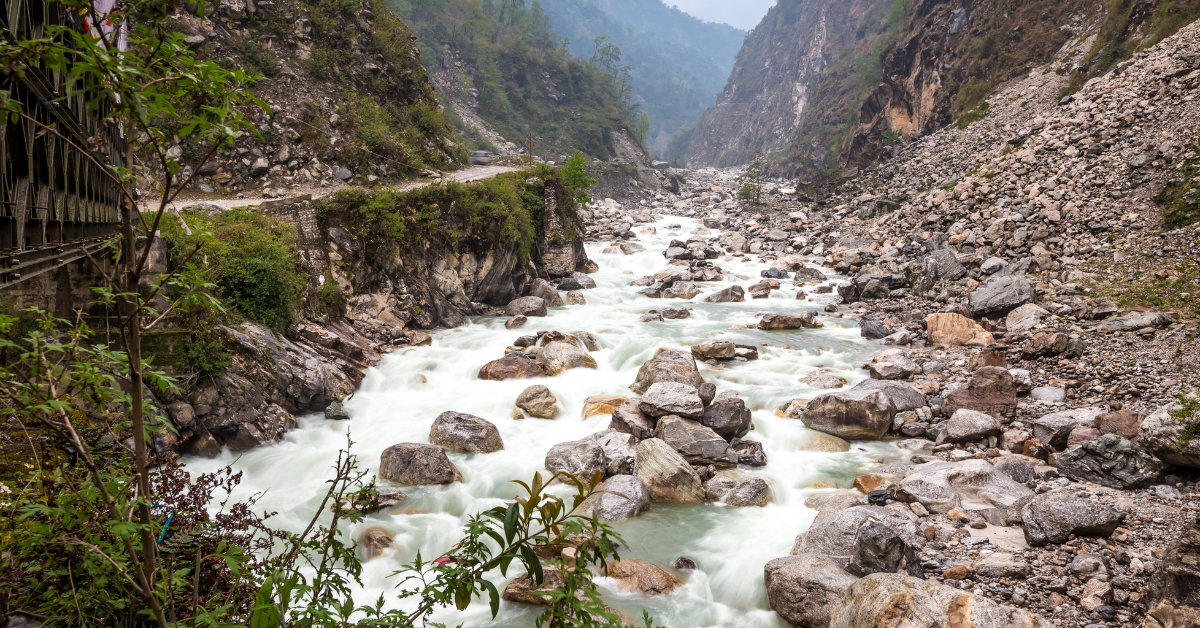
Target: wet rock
879	549
698	444
547	292
738	489
620	451
672	398
714	351
334	412
669	365
773	322
967	426
516	322
628	419
824	380
886	600
728	417
675	313
1111	461
618	498
965	485
640	576
955	330
526	306
750	452
511	366
667	475
805	588
539	402
557	357
1053	517
466	433
523	589
576	297
579	458
375	542
732	294
413	464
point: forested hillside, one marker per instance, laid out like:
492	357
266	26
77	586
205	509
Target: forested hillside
511	69
677	63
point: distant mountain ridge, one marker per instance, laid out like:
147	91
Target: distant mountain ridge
679	62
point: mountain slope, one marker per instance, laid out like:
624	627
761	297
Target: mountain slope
678	62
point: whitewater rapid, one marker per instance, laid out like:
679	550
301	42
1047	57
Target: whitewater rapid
398	401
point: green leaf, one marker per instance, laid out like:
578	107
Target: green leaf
493	596
510	522
532	564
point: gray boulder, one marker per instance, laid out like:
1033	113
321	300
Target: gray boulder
526	306
1134	321
667	475
669	365
1162	435
557	357
672	398
1053	517
738	489
732	294
966	485
698	444
1111	461
628	419
538	401
414	464
467	433
927	272
580	458
966	426
893	364
728	417
806	320
1055	428
714	351
620	451
618	498
863	412
547	292
834	536
999	296
873	329
805	588
1003	565
879	549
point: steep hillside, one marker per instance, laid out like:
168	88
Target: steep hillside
503	63
678	63
838	85
348	96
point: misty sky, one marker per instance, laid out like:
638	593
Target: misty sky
744	14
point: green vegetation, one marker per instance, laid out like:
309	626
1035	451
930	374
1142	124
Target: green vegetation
330	300
972	116
249	259
575	177
1186	415
1179	199
751	181
1126	29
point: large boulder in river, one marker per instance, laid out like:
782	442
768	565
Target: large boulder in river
667	475
628	418
669	365
524	590
511	366
547	292
467	433
1162	435
737	489
1000	295
806	320
620	451
538	401
580	458
618	498
892	600
641	576
863	412
699	445
526	306
732	294
835	535
805	588
557	357
415	464
965	485
667	398
966	426
990	389
728	417
1110	461
1053	517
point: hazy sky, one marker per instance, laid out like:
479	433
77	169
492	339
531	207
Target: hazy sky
744	14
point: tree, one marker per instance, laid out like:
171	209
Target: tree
752	180
576	179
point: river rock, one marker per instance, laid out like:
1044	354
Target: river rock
965	485
948	329
880	549
1110	461
893	364
728	417
732	294
833	502
1055	428
628	418
1000	295
872	329
989	390
698	444
546	291
516	322
1173	590
823	380
523	590
414	464
539	402
888	600
805	588
1053	517
863	412
334	412
618	498
834	536
750	452
640	576
584	281
672	398
580	458
466	433
714	351
375	542
738	489
667	475
967	426
1002	565
1122	423
602	404
557	357
807	320
669	365
1017	468
511	366
526	306
620	451
1160	434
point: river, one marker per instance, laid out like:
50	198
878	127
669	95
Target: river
398	401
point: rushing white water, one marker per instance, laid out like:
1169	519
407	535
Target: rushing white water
399	400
